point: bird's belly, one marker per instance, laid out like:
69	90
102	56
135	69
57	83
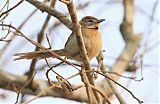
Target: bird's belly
93	49
93	45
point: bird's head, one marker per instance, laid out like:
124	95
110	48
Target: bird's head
91	22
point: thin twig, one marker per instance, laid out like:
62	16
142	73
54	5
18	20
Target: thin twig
83	52
111	85
60	16
7	3
57	23
22	88
102	94
13	36
11	8
39	45
49	88
40	36
140	102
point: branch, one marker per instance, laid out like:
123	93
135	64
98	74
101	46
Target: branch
13	36
12	8
45	8
132	40
9	80
57	23
40	36
132	43
108	85
18	32
81	45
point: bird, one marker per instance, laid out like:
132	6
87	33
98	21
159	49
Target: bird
92	40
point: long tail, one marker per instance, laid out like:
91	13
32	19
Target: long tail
39	54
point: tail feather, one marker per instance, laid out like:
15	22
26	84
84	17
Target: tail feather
39	54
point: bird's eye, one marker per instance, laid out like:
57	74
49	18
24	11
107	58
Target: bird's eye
90	20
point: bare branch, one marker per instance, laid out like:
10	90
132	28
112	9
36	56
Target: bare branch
83	52
40	36
38	45
45	8
3	13
111	88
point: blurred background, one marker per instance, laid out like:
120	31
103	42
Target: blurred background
146	21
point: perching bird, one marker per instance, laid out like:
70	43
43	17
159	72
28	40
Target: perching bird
91	37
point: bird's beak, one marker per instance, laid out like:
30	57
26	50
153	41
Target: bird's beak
101	20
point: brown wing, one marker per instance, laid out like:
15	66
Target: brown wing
69	38
71	47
